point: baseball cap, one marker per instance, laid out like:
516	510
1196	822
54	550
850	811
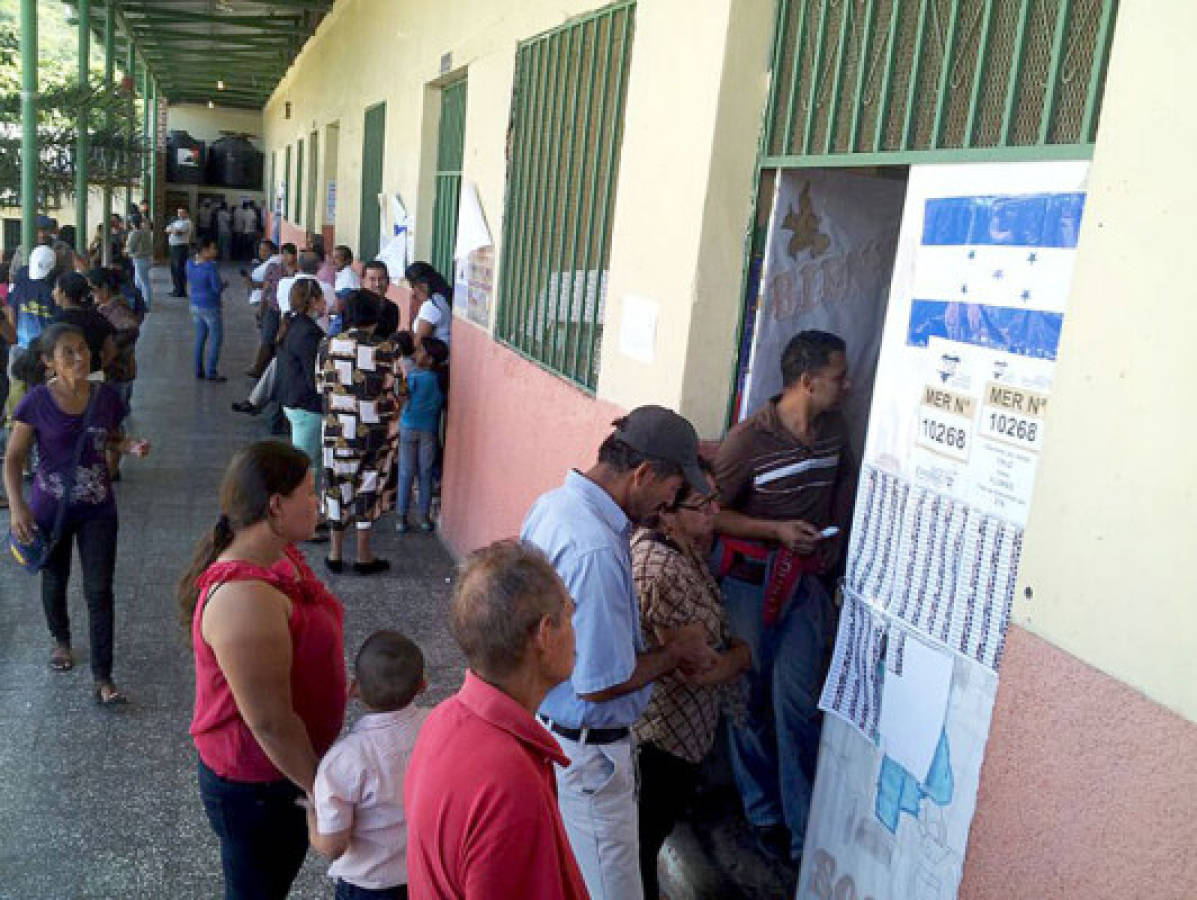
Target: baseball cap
662	434
44	222
41	262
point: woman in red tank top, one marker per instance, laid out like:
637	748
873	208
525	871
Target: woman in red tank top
270	686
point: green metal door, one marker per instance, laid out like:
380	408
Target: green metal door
313	179
373	147
287	181
449	152
296	212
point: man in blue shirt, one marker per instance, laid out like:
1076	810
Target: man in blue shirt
583	527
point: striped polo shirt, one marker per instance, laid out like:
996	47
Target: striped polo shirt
766	472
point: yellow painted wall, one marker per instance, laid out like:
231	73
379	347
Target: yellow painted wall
1113	531
695	94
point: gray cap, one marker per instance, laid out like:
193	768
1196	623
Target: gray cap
662	434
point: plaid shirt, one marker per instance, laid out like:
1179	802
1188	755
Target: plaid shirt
676	588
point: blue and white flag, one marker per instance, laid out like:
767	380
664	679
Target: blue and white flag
995	271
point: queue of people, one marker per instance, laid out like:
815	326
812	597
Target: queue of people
648	597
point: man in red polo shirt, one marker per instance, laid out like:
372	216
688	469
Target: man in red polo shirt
480	793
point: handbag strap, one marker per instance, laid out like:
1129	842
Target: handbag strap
68	482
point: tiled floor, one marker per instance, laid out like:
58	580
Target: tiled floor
100	803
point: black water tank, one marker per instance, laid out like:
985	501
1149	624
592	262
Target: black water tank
184	158
233	162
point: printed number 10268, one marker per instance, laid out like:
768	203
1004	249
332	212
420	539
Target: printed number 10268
949	435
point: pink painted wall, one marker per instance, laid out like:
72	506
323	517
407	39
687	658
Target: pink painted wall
514	431
1088	789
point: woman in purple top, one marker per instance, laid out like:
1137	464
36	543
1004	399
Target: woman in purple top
53	415
205	287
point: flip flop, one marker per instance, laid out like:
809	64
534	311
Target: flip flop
113	698
61	659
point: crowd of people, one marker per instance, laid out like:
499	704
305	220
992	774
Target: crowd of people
651	596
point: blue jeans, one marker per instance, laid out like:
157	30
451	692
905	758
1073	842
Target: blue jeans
413	444
141	278
774	754
209	328
263	834
347	891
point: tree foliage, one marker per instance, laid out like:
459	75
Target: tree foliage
114	156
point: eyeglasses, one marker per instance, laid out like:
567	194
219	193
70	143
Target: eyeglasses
702	505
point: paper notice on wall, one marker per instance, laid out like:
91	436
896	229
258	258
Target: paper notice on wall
914	700
472	232
638	328
851	850
852	690
330	202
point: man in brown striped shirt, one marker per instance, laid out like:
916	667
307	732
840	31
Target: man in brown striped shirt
785	474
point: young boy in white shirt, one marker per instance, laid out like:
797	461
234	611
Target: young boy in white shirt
356	812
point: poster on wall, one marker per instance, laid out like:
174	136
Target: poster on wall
976	307
330	202
473	259
828	258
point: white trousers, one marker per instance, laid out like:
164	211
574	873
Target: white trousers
597	797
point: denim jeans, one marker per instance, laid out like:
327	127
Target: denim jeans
417	450
774	754
347	891
141	278
306	433
96	539
263	834
209	328
178	268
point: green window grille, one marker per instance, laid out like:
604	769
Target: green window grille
373	141
877	81
449	151
566	132
296	213
313	179
287	182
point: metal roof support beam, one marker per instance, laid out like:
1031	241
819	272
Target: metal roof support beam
82	138
29	152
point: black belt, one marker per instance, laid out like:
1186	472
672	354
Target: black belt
590	735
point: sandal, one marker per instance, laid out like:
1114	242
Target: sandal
106	694
373	567
61	659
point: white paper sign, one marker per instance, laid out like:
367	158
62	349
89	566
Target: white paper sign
914	699
472	233
638	328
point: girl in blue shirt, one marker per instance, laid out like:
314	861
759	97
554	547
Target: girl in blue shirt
419	428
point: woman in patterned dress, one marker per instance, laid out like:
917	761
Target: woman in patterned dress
360	382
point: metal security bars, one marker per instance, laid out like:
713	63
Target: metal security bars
881	81
450	145
566	132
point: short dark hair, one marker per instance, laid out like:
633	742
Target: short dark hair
269	243
504	592
74	285
405	342
389	669
309	262
289	249
362	309
808	352
437	349
622	457
205	242
380	265
341	248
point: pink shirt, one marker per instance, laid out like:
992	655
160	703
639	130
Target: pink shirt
481	798
359	785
